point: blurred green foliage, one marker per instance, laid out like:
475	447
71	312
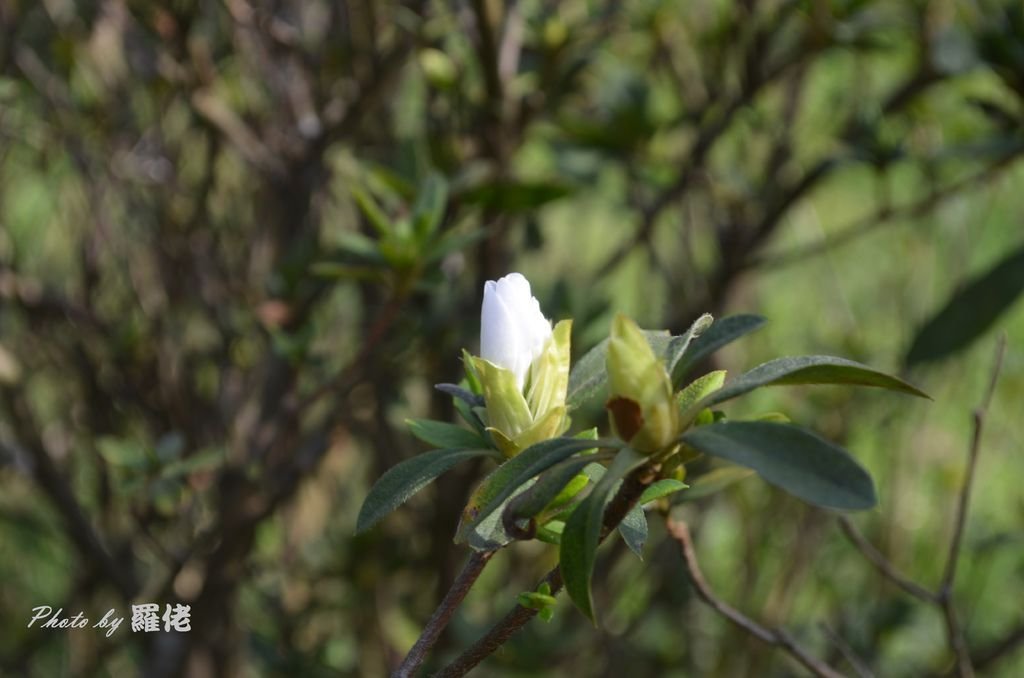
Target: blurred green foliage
241	240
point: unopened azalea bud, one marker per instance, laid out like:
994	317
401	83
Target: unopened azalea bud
523	366
641	408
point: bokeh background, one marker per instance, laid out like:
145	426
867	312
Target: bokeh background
221	294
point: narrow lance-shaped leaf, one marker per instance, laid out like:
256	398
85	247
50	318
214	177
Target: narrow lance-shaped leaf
428	209
791	458
810	369
661	488
970	311
444	435
582	532
368	206
406	479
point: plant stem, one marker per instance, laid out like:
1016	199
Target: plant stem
954	629
443	614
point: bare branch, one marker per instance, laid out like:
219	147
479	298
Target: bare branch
79	529
881	563
884	216
858	664
774	637
954	629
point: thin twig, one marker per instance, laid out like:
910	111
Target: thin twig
954	629
885	215
859	665
443	614
882	564
774	637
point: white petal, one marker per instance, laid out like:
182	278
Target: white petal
513	330
498	339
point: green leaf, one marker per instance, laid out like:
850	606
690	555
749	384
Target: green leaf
444	435
406	479
549	485
450	242
589	376
677	347
551	533
633	529
512	196
700	388
791	458
373	213
661	488
200	461
516	472
808	369
467	396
428	210
721	333
971	311
356	247
125	452
582	532
714	481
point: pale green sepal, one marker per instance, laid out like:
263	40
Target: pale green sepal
504	443
549	373
507	410
551	424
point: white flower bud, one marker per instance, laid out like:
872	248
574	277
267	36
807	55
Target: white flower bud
513	330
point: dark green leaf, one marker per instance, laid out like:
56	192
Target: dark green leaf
456	391
444	435
721	333
582	532
808	369
791	458
511	196
406	479
633	529
970	311
678	346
